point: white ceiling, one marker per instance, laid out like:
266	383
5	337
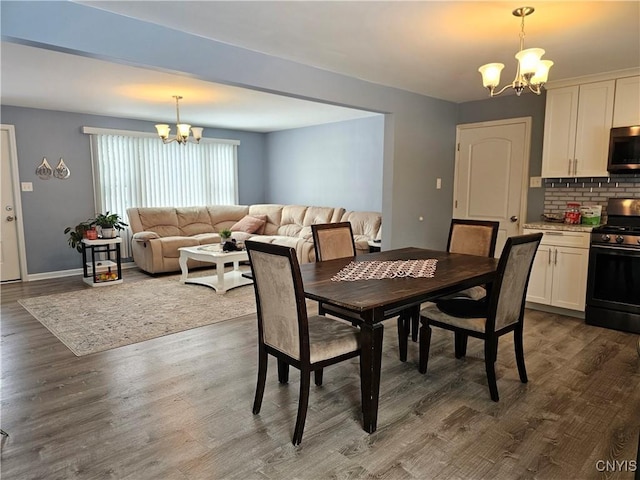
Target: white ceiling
432	48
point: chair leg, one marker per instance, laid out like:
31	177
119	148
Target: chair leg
517	340
283	371
460	344
490	355
425	345
318	377
303	402
262	378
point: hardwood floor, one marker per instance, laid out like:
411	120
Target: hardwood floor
179	407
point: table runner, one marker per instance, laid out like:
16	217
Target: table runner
379	269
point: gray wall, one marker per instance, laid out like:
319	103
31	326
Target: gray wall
55	204
512	106
333	165
419	131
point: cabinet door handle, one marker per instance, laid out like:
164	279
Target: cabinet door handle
555	257
569	169
549	257
575	166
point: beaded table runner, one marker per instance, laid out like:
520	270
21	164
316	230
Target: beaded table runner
370	270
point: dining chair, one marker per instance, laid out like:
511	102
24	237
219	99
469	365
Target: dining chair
471	237
286	332
333	240
501	313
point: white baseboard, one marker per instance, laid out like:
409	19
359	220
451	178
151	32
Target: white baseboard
551	309
66	273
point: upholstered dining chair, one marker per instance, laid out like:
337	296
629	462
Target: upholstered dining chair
286	332
471	237
333	240
502	313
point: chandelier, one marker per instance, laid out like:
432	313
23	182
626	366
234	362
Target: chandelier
532	72
182	135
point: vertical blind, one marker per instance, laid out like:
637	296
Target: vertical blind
132	171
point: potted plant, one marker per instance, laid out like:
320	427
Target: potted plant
77	233
109	223
225	235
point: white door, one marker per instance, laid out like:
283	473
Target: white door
9	250
492	162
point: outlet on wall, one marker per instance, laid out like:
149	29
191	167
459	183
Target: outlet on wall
535	182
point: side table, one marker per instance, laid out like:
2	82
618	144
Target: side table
99	272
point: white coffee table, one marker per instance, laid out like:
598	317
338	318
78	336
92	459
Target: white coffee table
221	282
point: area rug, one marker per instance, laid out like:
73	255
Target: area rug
101	318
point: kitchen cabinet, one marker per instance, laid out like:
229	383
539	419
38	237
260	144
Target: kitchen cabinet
559	273
577	123
626	109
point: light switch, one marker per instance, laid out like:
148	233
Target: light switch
27	186
438	183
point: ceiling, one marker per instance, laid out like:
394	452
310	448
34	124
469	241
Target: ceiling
431	48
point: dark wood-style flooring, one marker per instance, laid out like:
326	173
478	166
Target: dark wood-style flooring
179	407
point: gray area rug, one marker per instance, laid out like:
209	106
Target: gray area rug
101	318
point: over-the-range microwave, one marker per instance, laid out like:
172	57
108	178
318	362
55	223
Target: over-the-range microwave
624	150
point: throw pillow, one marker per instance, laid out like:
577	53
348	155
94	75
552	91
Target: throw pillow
248	224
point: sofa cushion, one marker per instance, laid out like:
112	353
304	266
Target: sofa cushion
144	236
273	213
364	223
161	220
194	220
249	224
224	216
170	245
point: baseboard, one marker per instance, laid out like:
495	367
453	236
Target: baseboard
66	273
557	310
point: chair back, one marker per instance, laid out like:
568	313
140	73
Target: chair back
281	307
506	305
473	237
333	240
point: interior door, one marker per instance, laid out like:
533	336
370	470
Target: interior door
9	246
492	162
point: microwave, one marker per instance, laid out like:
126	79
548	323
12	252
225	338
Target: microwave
624	150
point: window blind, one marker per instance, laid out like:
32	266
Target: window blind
141	171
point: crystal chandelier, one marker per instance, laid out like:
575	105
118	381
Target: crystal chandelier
182	135
532	72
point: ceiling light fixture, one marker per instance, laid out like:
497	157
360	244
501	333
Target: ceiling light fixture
532	72
182	136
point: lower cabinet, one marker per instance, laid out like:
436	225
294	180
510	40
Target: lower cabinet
559	274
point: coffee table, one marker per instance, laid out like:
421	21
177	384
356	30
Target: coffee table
221	282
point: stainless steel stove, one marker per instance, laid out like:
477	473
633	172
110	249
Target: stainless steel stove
613	281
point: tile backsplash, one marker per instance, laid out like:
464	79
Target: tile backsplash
588	191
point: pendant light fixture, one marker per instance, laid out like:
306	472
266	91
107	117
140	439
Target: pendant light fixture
184	129
532	72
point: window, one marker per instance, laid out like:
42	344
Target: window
134	170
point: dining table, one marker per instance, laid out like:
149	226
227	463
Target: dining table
373	300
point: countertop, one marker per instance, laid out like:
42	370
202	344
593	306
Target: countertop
559	226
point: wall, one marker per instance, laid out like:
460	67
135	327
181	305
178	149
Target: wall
419	132
334	165
55	204
512	106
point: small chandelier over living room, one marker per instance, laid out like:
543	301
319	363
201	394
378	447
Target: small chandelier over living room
532	72
182	135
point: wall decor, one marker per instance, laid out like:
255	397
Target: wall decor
62	171
44	170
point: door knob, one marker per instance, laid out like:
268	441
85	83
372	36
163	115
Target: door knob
514	218
10	218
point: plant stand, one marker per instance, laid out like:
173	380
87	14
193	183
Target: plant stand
98	272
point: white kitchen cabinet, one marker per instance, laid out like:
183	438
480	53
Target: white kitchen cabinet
577	123
626	109
559	273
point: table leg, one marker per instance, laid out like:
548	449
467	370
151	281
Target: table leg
370	365
182	261
236	265
220	273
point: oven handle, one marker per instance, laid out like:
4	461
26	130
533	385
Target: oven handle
606	247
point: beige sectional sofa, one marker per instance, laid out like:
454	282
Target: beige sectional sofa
158	232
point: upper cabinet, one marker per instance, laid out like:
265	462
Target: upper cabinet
626	111
577	123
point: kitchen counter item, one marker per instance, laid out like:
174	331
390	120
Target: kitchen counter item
572	213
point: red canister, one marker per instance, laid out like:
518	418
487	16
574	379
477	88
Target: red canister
572	213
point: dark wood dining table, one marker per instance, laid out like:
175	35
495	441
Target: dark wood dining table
376	300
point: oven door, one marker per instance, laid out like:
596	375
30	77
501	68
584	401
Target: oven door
613	281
